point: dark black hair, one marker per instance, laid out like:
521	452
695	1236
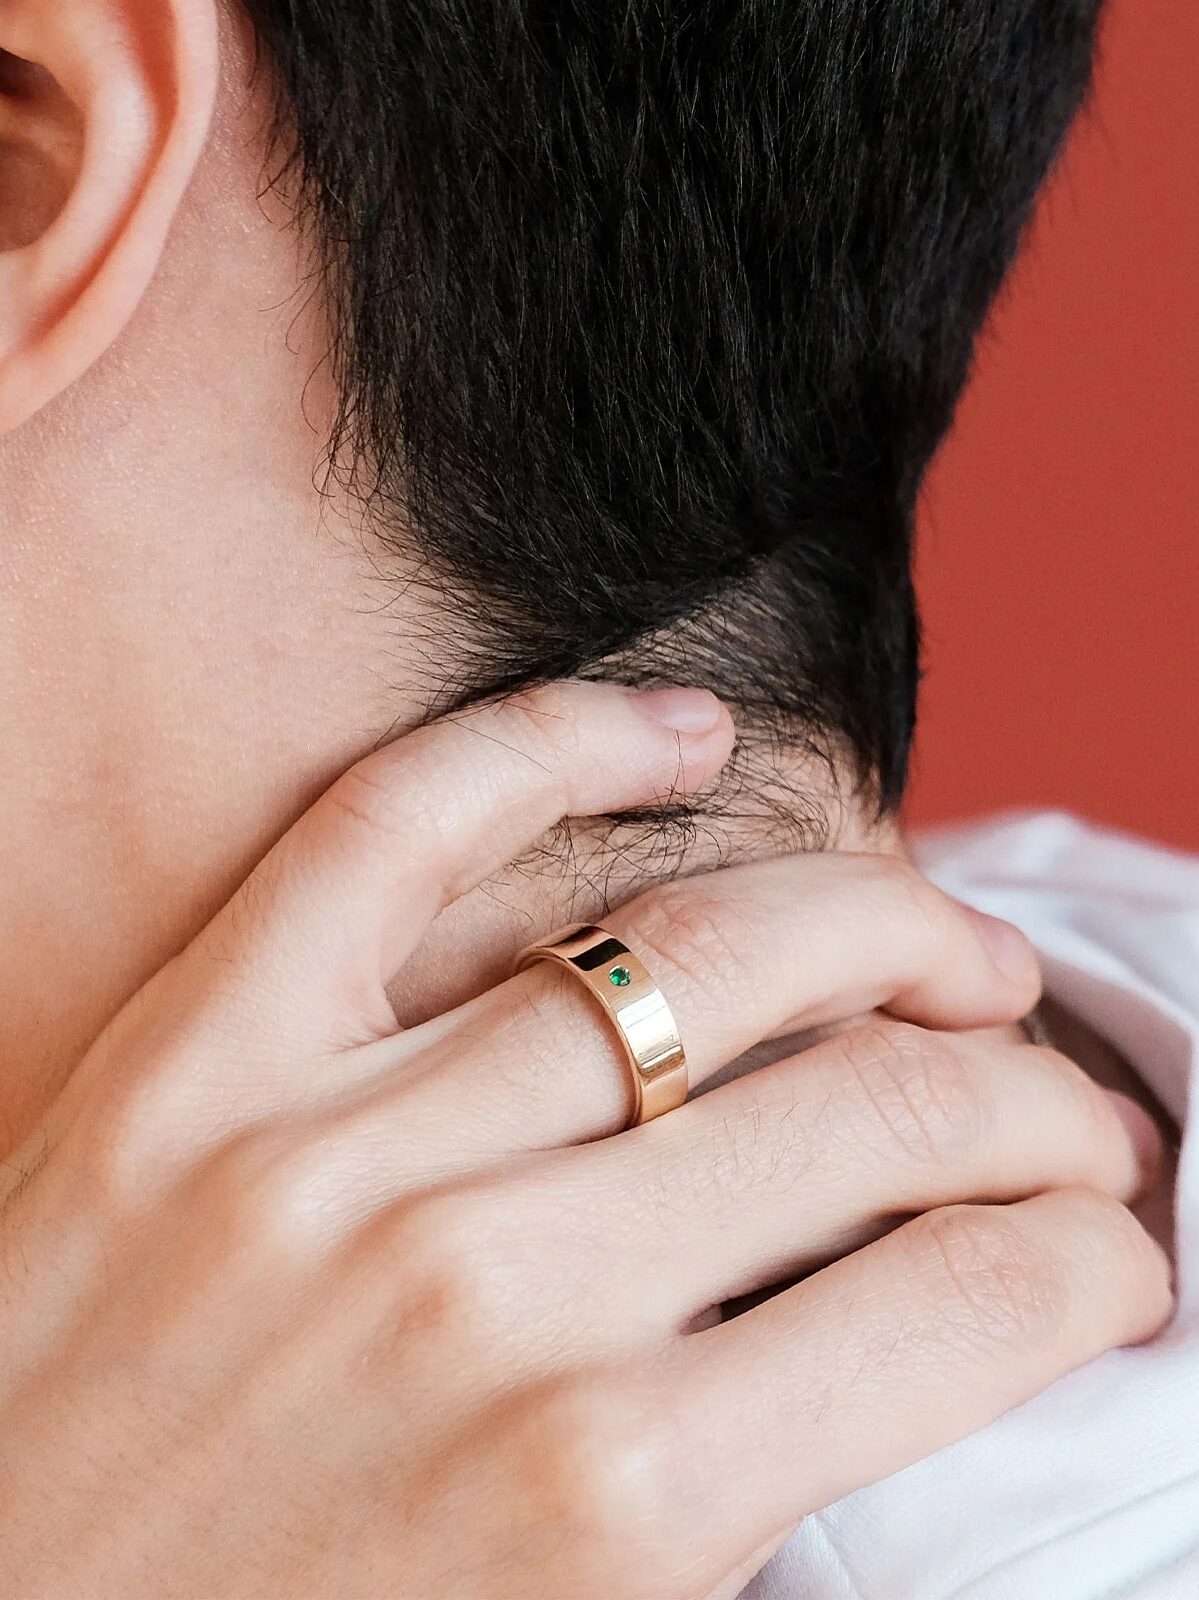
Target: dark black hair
649	314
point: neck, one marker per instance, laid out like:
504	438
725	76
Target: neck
169	706
168	703
144	777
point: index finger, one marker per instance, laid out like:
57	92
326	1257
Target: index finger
345	896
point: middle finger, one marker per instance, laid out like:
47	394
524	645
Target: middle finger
811	1158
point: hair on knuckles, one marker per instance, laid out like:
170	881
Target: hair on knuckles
647	317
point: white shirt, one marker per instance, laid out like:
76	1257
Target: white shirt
1091	1490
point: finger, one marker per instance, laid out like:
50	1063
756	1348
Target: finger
348	893
896	1352
809	1159
786	1169
744	954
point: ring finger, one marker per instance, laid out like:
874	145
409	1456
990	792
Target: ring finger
742	955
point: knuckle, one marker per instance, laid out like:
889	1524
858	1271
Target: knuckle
703	939
1101	1243
265	1197
917	1089
368	800
900	882
106	1170
596	1458
457	1279
398	805
545	721
1078	1089
900	894
132	1146
990	1277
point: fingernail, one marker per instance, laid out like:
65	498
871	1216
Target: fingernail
1142	1132
688	711
1006	945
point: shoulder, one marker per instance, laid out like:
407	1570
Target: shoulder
1055	852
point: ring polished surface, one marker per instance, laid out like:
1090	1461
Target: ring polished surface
647	1029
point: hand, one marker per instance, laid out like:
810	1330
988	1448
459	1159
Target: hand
296	1306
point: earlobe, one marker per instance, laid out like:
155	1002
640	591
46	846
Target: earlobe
104	110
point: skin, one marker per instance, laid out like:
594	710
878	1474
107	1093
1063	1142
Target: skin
210	640
308	1329
298	1302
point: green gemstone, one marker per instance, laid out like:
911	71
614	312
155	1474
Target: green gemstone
620	976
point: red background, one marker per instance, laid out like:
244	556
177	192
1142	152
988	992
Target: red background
1057	560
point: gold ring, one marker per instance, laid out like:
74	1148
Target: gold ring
648	1032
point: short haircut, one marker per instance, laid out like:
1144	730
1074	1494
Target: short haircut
648	315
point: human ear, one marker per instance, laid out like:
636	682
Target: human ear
104	109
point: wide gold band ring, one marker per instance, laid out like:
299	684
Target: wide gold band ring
646	1027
